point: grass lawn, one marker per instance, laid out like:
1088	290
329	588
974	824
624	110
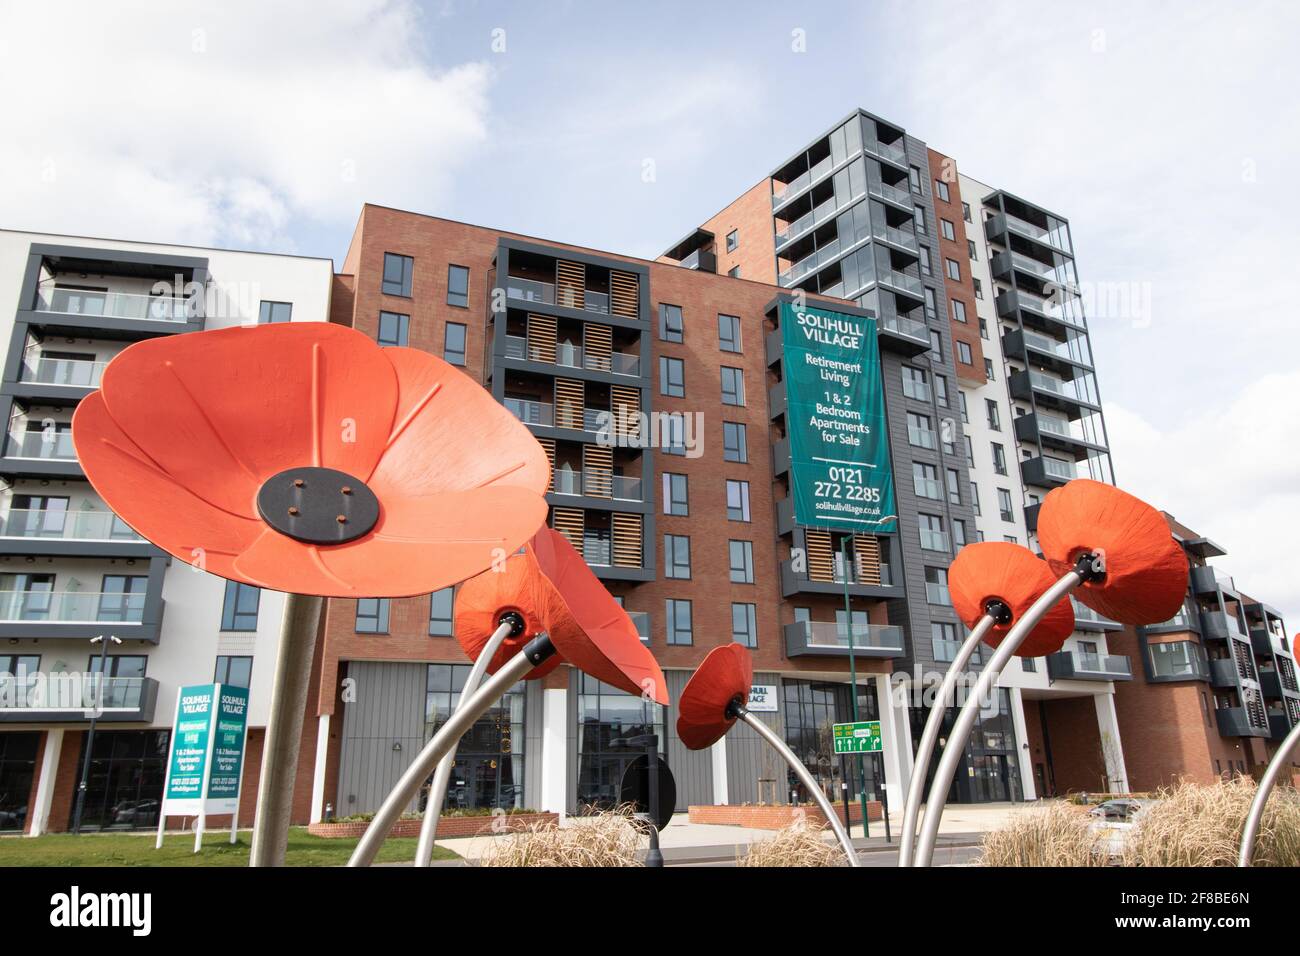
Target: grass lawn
136	849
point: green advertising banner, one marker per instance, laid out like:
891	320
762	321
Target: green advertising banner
840	472
228	749
191	734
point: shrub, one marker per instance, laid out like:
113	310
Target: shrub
1053	834
609	838
796	845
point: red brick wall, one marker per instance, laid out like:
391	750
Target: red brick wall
944	168
1077	761
751	216
775	817
65	781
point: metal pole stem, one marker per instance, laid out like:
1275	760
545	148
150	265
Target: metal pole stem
930	736
284	729
1255	817
966	717
90	739
408	785
805	778
442	776
653	856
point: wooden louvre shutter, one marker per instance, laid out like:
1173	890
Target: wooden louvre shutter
541	338
627	539
570	284
569	522
549	445
866	555
598	471
570	398
624	289
625	403
597	343
821	559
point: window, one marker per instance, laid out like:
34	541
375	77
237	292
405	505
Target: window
932	536
965	211
958	533
925	480
1004	505
677	616
999	458
954	269
734	272
941	390
919	432
936	586
964	355
941	190
677	556
988	370
737	500
970	452
943	640
920	220
393	328
914	180
233	671
732	241
672	377
965	414
397	274
984	329
925	260
916	384
458	286
441	610
931	309
948	230
744	624
970	250
1011	539
975	497
954	486
733	386
372	616
735	446
674	434
742	562
958	310
936	345
239	608
991	410
676	495
670	322
948	431
979	289
728	333
272	312
453	344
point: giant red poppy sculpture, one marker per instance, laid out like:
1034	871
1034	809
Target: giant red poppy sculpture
302	457
520	620
716	696
1117	553
993	585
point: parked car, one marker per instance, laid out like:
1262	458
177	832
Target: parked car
1116	810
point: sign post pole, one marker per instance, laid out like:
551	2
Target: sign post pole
853	685
167	779
207	768
239	789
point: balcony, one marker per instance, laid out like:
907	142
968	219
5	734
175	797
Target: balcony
1004	263
1262	642
114	305
1005	222
1085	618
66	697
1218	625
810	220
40	452
784	192
1278	726
1182	621
1038	312
832	639
1077	665
81	533
1235	722
898	195
901	282
1047	472
55	381
1223	673
71	607
1209	581
572	356
701	260
1177	661
1065	434
895	153
596	484
1270	684
909	336
809	264
532	412
544	293
793	582
1065	358
1068	395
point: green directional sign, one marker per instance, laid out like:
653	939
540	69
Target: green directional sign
840	473
861	737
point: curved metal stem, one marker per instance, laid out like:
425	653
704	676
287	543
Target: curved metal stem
442	776
952	753
768	734
930	736
408	785
1250	832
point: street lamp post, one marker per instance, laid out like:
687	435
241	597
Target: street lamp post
853	686
90	733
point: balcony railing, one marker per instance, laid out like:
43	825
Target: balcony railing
833	638
783	192
1075	351
532	290
596	484
901	280
892	193
45	443
597	550
810	263
1041	234
892	151
827	210
70	525
1178	660
895	235
920	437
1084	613
74	373
1081	665
82	607
117	305
530	412
72	691
1078	389
901	325
934	540
573	356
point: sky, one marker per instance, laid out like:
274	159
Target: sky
1167	133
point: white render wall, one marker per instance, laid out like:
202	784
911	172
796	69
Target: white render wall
191	636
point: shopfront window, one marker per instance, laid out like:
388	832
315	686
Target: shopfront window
811	709
127	769
17	768
607	719
489	768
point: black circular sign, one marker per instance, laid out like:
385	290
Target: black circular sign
318	505
635	789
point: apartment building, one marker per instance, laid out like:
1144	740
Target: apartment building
70	570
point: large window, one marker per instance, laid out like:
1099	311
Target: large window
999	458
458	286
607	719
734	444
670	322
489	768
676	494
122	597
925	480
394	328
678	621
737	500
18	752
933	537
744	624
441	606
270	313
397	274
919	432
916	383
127	769
811	709
729	333
233	671
1005	508
936	586
453	346
239	609
733	386
372	616
742	561
677	556
672	377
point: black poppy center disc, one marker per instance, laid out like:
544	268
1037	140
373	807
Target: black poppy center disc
318	505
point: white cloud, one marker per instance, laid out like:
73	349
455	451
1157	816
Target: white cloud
225	123
1228	470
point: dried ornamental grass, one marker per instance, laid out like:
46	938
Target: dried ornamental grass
1053	834
1195	825
796	845
609	838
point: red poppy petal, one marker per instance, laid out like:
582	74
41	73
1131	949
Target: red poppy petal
725	674
478	441
443	540
516	586
222	411
148	500
999	570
